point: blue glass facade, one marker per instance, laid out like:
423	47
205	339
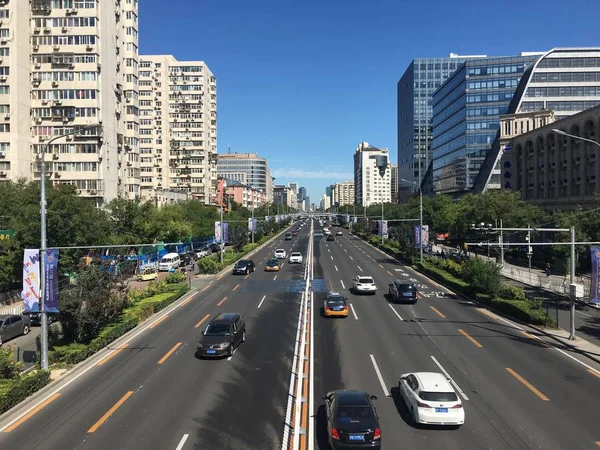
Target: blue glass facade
466	110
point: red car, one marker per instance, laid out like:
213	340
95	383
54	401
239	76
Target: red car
294	233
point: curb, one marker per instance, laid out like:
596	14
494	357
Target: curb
560	340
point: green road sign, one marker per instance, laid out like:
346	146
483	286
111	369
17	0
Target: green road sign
7	235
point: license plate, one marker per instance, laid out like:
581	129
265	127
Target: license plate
356	437
211	352
441	410
407	294
338	309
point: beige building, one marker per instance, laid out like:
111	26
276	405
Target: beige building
55	78
343	193
178	129
370	187
555	171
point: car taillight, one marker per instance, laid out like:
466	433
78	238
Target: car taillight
459	406
346	308
335	434
423	405
377	434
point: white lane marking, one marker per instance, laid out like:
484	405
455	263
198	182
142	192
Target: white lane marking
275	277
353	311
332	257
450	378
261	302
359	268
573	358
351	258
399	270
311	384
336	269
329	250
396	312
346	250
585	314
503	319
281	265
383	386
342	281
182	441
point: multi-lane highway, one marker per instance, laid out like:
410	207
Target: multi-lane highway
151	392
518	392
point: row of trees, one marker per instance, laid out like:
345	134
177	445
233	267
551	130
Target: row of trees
74	221
445	215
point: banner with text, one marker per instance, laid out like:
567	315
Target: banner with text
31	280
595	279
422	236
51	281
252	224
224	229
383	227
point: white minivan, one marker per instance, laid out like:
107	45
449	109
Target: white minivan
169	261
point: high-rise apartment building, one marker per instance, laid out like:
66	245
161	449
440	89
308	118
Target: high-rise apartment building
343	193
294	186
66	65
178	128
247	168
283	195
415	90
370	187
394	182
466	117
301	193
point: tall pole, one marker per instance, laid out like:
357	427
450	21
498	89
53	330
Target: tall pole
222	243
382	238
253	221
421	221
572	287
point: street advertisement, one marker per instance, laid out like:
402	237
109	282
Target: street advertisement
382	226
225	237
595	279
31	280
267	218
422	236
51	281
277	219
252	224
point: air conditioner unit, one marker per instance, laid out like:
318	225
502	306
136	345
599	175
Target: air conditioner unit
46	30
3	78
93	192
36	48
41	138
44	102
56	175
127	100
2	154
37	29
89	47
69	138
64	29
55	84
3	40
56	48
55	156
74	11
2	174
58	102
65	119
6	116
38	66
38	120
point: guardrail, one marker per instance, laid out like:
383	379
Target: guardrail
15	308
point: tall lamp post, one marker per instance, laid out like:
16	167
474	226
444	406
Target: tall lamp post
420	215
562	133
43	241
222	243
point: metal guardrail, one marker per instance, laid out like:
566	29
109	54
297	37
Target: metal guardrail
542	281
15	308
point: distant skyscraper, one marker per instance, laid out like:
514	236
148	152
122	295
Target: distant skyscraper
369	186
301	193
294	187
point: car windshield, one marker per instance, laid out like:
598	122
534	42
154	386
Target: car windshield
438	396
273	262
217	329
365	280
355	413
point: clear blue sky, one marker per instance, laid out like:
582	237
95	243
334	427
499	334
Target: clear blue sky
302	83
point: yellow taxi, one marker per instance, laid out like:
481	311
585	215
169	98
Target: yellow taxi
335	305
148	273
272	265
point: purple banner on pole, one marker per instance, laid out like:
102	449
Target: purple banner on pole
51	281
595	279
225	231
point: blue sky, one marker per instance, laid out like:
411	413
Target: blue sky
302	83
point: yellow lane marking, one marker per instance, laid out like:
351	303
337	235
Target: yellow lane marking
221	302
246	277
31	413
116	352
237	286
110	412
201	321
185	302
530	386
170	352
390	273
159	321
593	372
469	337
380	265
205	288
531	336
487	313
437	312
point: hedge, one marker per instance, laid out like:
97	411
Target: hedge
13	392
140	310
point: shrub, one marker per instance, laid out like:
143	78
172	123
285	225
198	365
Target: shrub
483	276
208	265
175	277
9	367
512	293
13	392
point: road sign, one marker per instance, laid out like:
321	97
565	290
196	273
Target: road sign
7	235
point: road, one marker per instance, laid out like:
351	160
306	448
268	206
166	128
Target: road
149	396
518	392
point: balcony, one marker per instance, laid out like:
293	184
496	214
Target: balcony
41	7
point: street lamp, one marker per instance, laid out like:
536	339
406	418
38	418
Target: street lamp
222	243
43	241
562	133
420	215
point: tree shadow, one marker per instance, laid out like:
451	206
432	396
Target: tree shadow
321	428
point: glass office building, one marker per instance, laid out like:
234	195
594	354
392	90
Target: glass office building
466	110
415	90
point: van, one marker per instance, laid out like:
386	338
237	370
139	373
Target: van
169	261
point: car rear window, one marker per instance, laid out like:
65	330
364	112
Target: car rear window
336	302
355	413
296	254
438	396
365	280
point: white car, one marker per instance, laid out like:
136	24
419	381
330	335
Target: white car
202	253
431	399
280	253
364	284
339	233
295	258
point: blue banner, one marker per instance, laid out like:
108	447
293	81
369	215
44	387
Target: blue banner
595	279
51	281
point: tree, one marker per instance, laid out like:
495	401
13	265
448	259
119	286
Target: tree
238	235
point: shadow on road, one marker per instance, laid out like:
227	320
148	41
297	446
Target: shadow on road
321	428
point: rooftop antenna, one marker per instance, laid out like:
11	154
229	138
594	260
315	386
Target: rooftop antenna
229	150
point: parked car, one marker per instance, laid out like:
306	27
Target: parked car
403	291
12	326
352	420
363	284
222	335
36	318
215	247
244	266
203	252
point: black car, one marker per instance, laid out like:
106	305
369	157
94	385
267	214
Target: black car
244	266
288	236
215	247
352	420
222	335
36	317
403	291
330	237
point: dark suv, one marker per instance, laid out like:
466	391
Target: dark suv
245	266
222	335
402	291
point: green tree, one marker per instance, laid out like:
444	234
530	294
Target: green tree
482	275
238	235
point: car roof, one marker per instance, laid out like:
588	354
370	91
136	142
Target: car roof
350	397
403	283
244	261
296	253
273	260
280	250
225	318
433	382
365	276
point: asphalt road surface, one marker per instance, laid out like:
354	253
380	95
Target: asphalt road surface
518	392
